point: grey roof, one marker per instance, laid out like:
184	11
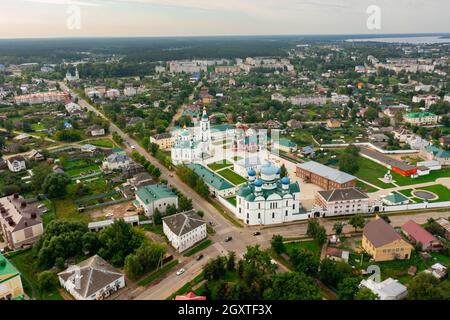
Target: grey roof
184	222
380	233
386	159
327	172
343	194
118	157
95	274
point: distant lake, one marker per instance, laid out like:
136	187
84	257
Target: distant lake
406	40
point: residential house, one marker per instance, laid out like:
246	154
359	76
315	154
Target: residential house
163	140
184	229
35	155
334	124
417	234
383	243
155	197
141	180
95	131
116	161
341	202
308	151
445	225
10	282
71	107
294	124
437	270
337	254
389	289
20	221
91	279
16	164
324	176
445	141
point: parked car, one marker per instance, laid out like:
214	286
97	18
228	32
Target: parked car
228	239
199	257
257	233
180	272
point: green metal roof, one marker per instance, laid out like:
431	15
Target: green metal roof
412	115
7	270
247	191
438	152
395	198
287	143
151	193
209	177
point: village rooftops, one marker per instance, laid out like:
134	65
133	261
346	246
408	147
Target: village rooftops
149	194
18	213
418	233
184	222
380	233
327	172
7	270
343	194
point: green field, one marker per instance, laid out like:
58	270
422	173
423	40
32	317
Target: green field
232	200
201	246
435	174
441	191
311	246
365	187
219	165
102	143
26	263
231	176
371	172
37	127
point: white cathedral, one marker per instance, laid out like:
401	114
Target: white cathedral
191	147
268	199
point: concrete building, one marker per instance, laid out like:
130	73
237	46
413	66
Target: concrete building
268	199
163	140
10	282
421	118
155	196
383	243
91	279
20	222
44	97
324	176
341	202
417	234
184	230
388	289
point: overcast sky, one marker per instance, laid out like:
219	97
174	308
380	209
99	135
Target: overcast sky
49	18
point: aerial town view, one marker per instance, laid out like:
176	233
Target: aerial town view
224	150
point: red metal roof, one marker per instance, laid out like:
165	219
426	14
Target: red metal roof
418	233
190	296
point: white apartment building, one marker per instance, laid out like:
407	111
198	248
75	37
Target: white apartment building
184	229
340	202
44	97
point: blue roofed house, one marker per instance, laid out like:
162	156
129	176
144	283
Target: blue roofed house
217	185
155	196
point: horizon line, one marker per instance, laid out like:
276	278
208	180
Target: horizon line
226	35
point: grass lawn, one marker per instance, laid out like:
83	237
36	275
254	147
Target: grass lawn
102	143
89	169
441	191
435	174
153	276
371	172
187	287
26	263
219	165
201	246
406	192
232	176
365	187
230	277
311	246
37	127
66	208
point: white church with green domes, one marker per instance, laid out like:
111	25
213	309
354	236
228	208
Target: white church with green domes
192	147
268	199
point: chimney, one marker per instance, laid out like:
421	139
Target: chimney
23	204
16	196
33	215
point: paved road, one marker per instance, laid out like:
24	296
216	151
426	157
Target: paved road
242	237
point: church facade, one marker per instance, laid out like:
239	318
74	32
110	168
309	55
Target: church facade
268	199
191	147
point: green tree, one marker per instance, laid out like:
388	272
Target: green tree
277	244
425	286
292	286
283	171
40	172
348	288
231	262
366	294
338	227
118	241
348	163
47	281
146	258
55	184
304	261
357	221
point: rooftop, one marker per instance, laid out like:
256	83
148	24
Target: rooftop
149	194
380	233
184	222
419	234
343	194
209	177
7	270
327	172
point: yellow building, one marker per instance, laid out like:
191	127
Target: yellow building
163	140
10	282
383	243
